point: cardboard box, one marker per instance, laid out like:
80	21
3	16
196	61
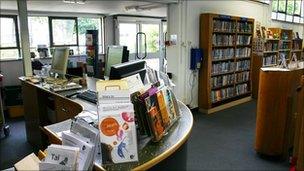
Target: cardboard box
15	111
30	162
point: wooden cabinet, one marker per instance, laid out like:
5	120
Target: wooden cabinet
37	104
275	115
225	75
66	109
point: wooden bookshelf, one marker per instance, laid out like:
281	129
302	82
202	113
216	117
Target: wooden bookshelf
225	75
266	53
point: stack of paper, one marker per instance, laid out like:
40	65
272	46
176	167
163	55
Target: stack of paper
85	137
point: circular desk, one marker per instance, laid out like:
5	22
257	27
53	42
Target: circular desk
151	155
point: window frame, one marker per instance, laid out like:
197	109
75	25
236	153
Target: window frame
277	12
14	17
51	18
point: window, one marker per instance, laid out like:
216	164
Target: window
288	10
38	32
85	24
127	35
9	38
63	31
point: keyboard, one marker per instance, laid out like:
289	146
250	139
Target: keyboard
69	86
89	96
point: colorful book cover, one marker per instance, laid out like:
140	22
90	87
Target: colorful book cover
163	109
118	133
154	118
170	106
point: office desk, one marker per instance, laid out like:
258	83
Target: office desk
172	150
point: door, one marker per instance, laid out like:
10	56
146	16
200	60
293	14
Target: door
144	39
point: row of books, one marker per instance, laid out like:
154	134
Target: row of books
222	53
156	110
222	94
222	67
296	45
243	65
223	40
223	26
244	27
241	89
242	76
284	45
271	46
243	40
229	79
243	52
223	80
269	60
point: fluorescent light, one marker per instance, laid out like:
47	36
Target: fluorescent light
81	2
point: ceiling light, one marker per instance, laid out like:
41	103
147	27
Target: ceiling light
81	2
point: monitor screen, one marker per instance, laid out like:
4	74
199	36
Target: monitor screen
115	55
60	61
123	70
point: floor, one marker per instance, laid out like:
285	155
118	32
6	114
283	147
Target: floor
221	141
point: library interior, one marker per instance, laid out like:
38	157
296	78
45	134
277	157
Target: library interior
152	85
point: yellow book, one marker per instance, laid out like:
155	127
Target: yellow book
163	109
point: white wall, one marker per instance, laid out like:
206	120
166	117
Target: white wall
11	71
184	21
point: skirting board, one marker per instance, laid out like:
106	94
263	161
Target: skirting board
225	106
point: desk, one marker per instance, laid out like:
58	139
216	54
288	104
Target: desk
150	154
275	111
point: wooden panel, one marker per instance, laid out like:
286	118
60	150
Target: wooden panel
274	110
299	130
31	115
257	63
66	109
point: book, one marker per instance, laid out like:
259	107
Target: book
163	109
117	133
62	155
154	118
86	149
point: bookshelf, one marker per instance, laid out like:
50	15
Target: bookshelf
267	52
225	75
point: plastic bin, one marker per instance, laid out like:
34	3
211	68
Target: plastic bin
13	95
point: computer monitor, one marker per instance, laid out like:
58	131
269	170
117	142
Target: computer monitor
115	55
123	70
60	61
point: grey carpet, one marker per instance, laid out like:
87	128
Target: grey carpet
225	141
14	147
220	141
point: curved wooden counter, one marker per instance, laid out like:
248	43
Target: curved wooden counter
150	154
274	110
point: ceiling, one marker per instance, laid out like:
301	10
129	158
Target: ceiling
93	6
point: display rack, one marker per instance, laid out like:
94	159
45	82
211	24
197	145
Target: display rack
225	75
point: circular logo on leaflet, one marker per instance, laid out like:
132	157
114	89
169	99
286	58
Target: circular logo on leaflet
109	126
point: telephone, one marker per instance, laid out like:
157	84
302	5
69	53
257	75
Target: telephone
195	58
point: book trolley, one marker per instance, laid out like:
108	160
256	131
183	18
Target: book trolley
225	75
